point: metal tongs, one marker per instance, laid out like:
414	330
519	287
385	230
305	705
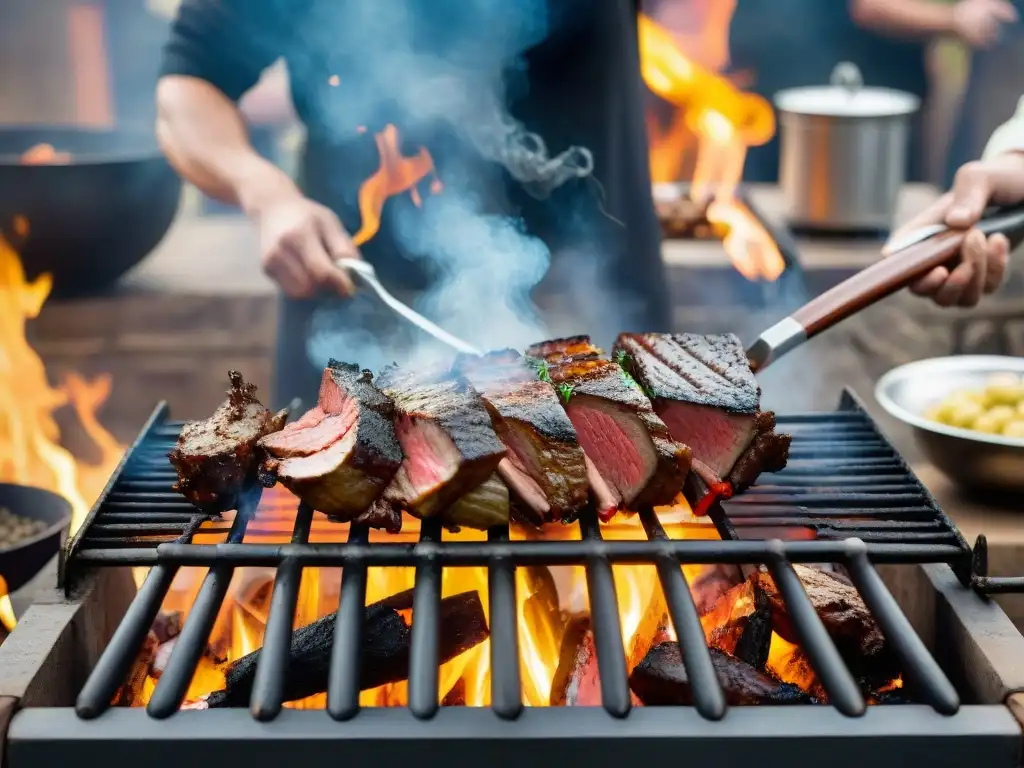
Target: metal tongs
909	258
368	275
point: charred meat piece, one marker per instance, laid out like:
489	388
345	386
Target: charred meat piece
341	455
449	444
628	445
544	467
218	458
661	679
703	389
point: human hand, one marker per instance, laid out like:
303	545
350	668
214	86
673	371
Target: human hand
300	241
978	22
996	181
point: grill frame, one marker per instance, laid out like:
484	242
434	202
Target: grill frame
924	677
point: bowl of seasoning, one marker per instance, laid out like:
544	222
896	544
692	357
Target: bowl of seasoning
32	525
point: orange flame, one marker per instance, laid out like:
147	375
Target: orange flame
30	449
724	122
396	174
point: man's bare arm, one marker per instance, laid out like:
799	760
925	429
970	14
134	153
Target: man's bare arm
976	22
204	136
904	17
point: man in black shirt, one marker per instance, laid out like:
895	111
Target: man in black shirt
443	72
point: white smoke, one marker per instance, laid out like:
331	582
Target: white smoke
486	265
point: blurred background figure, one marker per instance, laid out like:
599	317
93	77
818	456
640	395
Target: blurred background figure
909	45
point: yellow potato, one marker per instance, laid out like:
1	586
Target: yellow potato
1004	395
1020	408
1001	414
964	414
1014	428
988	423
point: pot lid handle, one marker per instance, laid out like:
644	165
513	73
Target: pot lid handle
846	75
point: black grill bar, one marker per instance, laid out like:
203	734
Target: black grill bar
426	609
846	485
188	649
506	685
604	621
346	653
923	672
460	554
814	639
268	685
708	697
116	660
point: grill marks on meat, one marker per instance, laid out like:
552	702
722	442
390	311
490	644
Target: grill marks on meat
703	389
545	466
623	438
449	445
340	456
218	458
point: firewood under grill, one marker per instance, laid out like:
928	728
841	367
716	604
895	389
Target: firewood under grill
385	652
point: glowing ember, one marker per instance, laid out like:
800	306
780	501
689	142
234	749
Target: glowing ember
725	122
30	449
396	174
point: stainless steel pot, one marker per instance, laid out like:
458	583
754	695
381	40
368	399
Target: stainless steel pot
843	152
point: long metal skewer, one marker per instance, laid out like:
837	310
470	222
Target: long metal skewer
367	274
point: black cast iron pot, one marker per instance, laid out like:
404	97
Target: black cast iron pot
92	218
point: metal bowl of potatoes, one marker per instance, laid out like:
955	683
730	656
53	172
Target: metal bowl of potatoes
967	414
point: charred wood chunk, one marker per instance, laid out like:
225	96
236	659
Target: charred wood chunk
576	681
755	637
661	679
385	651
218	459
130	691
846	618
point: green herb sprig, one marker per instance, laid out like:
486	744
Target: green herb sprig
565	390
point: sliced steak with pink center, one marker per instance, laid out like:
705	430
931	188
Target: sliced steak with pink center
545	467
704	390
340	457
622	436
450	446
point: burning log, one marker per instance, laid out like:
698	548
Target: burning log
576	681
386	641
661	679
131	689
748	637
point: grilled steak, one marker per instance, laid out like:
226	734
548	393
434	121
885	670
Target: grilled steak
629	446
449	444
218	458
545	466
340	456
661	679
703	389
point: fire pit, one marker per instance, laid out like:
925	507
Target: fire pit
846	498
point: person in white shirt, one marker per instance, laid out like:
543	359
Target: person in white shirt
996	179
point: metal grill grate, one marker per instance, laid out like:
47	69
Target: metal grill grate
845	483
